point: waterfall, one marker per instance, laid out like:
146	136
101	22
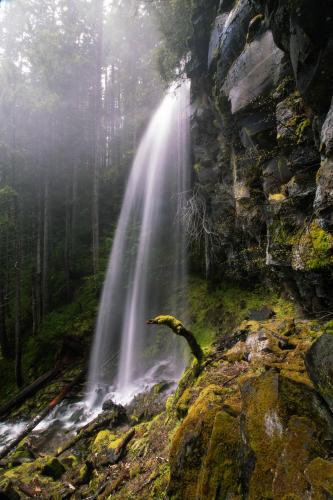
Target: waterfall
146	274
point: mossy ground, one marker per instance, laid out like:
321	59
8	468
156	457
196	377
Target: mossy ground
193	448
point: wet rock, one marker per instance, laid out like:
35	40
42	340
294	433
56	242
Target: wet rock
323	203
214	43
21	456
233	38
148	404
226	5
117	412
201	18
326	143
262	314
110	405
275	173
53	468
256	71
256	129
292	122
319	364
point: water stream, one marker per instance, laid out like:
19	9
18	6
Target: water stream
147	268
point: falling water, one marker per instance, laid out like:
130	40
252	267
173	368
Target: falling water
147	269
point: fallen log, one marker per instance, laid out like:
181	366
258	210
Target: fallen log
121	448
178	328
28	391
107	488
87	431
41	416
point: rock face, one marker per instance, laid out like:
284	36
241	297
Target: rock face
262	129
319	363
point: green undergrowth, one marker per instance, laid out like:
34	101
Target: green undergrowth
214	312
74	321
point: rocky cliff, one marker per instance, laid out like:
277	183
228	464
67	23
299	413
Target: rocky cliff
262	129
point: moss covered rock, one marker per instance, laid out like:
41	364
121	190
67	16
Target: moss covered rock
53	468
190	442
285	427
319	473
319	362
220	474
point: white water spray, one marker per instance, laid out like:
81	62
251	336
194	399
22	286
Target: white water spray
147	266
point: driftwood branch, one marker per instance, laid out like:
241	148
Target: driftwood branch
87	431
178	328
27	392
41	416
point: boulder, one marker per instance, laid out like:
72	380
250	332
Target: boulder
323	203
319	364
146	405
262	314
283	425
117	412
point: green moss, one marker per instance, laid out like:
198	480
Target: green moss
319	473
299	446
299	125
220	473
282	238
313	249
53	468
328	327
160	484
197	168
183	403
105	440
264	430
85	473
190	441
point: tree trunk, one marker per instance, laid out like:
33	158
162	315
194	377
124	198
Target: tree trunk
4	343
27	392
74	207
38	275
18	340
67	250
97	108
45	275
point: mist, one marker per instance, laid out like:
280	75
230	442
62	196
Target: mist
77	87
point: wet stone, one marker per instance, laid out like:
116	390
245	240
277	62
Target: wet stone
262	314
